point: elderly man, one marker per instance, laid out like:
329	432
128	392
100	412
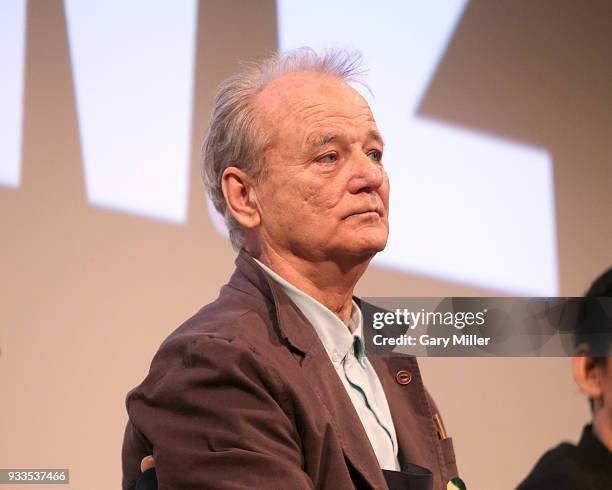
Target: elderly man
268	386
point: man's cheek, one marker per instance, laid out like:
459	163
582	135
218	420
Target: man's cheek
313	200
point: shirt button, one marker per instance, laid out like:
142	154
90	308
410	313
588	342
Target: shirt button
335	356
403	377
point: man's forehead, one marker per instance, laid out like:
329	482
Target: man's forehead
303	88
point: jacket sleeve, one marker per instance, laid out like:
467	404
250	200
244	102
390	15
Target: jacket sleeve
213	412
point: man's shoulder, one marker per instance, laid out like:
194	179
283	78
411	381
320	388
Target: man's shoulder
234	314
236	321
225	356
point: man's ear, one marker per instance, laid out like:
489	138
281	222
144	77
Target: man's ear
238	189
587	373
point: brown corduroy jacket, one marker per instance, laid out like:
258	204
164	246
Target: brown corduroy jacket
244	396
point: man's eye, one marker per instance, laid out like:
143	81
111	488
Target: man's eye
329	158
375	155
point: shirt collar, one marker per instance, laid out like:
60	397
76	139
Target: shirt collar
336	338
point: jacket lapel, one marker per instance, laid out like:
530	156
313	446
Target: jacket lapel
411	413
321	374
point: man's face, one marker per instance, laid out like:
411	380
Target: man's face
325	194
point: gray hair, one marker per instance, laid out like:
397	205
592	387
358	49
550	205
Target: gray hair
234	136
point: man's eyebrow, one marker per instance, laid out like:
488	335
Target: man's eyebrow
374	134
322	140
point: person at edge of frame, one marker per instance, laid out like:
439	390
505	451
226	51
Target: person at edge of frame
588	465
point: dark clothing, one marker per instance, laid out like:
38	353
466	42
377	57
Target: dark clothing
587	466
147	481
411	477
244	396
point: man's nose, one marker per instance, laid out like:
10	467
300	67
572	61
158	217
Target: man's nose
367	175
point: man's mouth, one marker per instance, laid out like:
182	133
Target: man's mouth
366	211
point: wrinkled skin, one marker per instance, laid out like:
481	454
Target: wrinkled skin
326	194
320	212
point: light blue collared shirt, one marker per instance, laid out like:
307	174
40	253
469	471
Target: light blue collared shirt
345	349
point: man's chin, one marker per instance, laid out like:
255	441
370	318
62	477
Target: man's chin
363	250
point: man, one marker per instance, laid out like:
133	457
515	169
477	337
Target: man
589	464
268	386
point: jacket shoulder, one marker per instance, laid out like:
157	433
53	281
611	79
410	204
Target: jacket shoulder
559	468
234	316
237	322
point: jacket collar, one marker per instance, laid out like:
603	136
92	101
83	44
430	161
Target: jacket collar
316	367
290	318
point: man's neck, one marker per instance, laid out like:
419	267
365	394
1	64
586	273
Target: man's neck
330	283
